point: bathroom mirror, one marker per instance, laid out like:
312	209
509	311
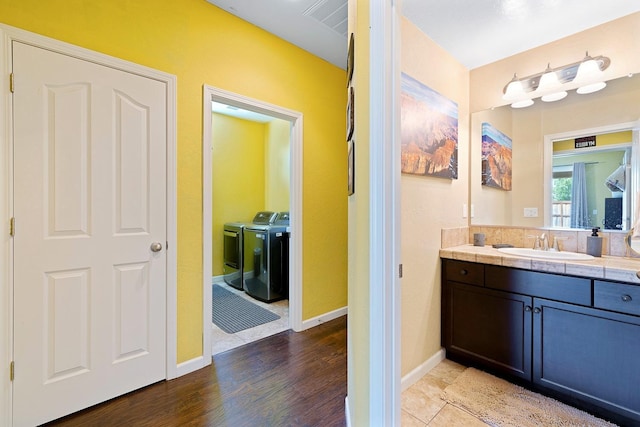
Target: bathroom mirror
633	243
533	131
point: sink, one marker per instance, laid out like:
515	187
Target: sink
554	255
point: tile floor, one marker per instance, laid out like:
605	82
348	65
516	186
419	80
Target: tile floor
422	406
222	341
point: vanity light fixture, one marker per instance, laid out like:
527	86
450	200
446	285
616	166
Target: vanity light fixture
550	87
587	76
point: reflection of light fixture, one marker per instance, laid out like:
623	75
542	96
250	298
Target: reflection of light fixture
552	85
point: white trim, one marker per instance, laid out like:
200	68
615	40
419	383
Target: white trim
9	34
207	245
211	93
347	411
217	279
323	318
193	365
6	208
423	369
548	160
384	233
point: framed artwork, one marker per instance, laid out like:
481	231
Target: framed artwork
351	167
350	60
496	158
350	112
429	131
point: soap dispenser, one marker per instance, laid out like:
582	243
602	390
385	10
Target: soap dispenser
594	243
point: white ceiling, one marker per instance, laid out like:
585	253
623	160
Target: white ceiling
475	32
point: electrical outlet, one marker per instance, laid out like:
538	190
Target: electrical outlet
472	211
464	210
530	212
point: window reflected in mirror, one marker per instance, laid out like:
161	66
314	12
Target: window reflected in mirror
590	184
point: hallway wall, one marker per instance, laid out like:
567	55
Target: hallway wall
202	44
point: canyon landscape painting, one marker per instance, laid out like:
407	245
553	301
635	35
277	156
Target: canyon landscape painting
496	158
429	131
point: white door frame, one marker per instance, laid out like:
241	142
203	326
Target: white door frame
9	34
211	93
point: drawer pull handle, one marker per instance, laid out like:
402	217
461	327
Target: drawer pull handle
537	310
626	298
463	272
527	308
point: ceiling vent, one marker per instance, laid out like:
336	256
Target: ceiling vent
332	13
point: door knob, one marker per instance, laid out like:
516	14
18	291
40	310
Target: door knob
156	247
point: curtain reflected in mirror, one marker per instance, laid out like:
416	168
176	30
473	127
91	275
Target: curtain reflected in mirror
579	204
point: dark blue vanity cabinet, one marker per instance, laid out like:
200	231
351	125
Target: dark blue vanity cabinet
573	338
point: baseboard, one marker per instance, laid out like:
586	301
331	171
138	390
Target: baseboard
315	321
412	377
347	412
192	365
217	279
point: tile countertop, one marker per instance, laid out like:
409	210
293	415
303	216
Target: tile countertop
606	267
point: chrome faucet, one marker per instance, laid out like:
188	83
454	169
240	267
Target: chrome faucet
545	241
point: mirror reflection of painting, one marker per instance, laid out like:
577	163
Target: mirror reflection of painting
429	131
496	158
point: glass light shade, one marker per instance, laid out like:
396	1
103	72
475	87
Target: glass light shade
548	82
593	87
514	90
522	104
589	77
588	71
556	96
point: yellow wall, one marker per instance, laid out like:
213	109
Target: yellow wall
358	327
202	44
429	204
277	170
238	189
601	140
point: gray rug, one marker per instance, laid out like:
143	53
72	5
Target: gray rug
232	313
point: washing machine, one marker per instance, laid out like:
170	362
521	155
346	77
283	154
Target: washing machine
233	253
233	247
266	259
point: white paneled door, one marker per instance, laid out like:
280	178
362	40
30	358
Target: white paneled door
90	233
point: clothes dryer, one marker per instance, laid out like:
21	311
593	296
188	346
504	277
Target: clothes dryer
233	247
266	261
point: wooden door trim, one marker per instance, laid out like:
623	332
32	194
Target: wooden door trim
9	34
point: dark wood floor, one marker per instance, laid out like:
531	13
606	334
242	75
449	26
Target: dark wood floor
288	379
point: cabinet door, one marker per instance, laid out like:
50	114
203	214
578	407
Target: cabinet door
591	355
488	327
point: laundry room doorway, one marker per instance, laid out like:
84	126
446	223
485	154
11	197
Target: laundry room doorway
283	198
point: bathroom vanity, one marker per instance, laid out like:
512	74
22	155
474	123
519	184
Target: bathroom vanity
573	337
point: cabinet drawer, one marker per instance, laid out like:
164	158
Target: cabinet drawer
570	289
464	272
620	297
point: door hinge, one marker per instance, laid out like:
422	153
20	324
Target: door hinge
11	83
400	271
12	226
12	370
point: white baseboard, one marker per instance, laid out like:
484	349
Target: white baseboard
217	279
412	377
192	365
315	321
347	412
